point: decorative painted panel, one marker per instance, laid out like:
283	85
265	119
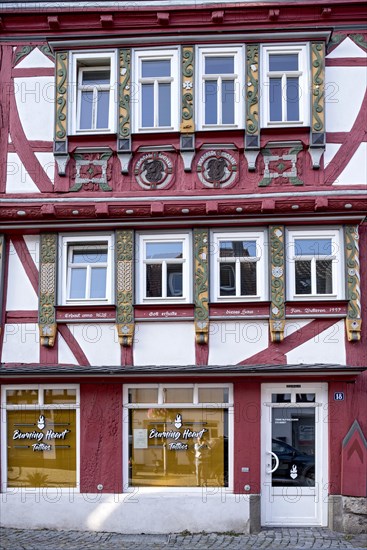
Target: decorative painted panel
252	95
360	40
282	164
277	307
47	289
201	285
2	260
124	287
61	100
124	94
318	83
217	169
92	171
353	320
187	120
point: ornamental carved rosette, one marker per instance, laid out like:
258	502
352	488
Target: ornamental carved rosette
354	319
201	285
277	306
47	289
124	287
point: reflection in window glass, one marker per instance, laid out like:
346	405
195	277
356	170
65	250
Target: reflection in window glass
58	395
143	395
22	397
178	395
163	250
303	277
293	91
213	395
275	98
324	277
283	62
280	397
219	65
156	67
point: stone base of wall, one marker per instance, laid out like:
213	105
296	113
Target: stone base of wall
348	514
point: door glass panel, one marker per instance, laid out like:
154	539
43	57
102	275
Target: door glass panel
305	398
280	397
293	442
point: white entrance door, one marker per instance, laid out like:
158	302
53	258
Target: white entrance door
294	454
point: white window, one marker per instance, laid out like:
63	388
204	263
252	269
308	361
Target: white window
315	265
164	268
220	88
93	102
155	94
285	85
86	273
238	266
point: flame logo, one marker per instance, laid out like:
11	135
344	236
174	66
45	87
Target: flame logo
293	472
41	422
178	421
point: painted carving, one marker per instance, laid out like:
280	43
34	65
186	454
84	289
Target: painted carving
217	169
360	40
187	116
124	98
47	289
282	164
124	287
22	52
318	82
336	39
154	170
252	93
201	285
61	95
353	320
92	171
277	306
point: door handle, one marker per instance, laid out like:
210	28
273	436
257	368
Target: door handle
276	462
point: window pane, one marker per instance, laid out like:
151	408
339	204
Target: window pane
280	397
21	397
143	395
275	99
324	278
98	282
164	105
78	283
303	277
174	280
248	279
293	93
305	398
178	395
96	78
86	109
211	99
155	68
213	395
147	106
154	280
227	279
163	250
219	65
283	62
238	249
312	247
103	109
89	256
228	100
60	396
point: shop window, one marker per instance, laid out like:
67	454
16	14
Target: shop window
285	85
164	268
182	445
40	427
155	97
86	270
315	264
220	100
238	264
94	104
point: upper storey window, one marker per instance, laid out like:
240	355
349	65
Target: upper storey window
156	102
94	105
220	104
285	85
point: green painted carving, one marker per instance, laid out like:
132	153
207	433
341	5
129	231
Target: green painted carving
252	95
353	271
187	122
124	95
318	72
46	50
61	94
335	40
23	53
124	287
47	289
270	174
360	40
277	310
201	285
188	62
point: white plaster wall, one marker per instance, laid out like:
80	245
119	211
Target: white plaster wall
344	91
230	342
20	294
35	101
47	162
33	245
65	355
209	510
17	178
331	150
327	347
35	59
347	48
164	343
355	173
21	343
99	342
296	324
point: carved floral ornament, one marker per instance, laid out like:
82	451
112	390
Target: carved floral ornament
217	169
154	170
92	171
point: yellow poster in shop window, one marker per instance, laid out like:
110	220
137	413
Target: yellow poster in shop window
41	448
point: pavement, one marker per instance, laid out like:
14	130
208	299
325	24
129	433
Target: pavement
270	538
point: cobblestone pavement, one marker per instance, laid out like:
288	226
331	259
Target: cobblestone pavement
288	538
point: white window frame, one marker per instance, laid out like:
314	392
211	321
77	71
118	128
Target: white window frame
303	73
94	61
140	55
40	405
261	268
144	238
193	405
67	243
337	257
210	51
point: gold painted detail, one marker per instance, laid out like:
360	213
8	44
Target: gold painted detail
318	86
124	287
353	320
277	306
47	289
201	285
252	89
187	116
124	94
61	96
